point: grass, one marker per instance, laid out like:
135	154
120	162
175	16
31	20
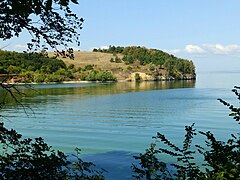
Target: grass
101	61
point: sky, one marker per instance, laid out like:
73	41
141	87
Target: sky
206	31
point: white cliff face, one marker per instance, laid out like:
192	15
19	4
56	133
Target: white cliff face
147	77
143	76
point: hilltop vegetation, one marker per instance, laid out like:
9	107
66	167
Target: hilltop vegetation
175	67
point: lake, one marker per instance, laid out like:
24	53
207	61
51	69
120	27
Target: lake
111	122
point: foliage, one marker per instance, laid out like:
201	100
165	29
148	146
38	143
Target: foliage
94	75
88	67
137	77
221	159
34	67
29	61
34	159
176	67
129	68
111	60
49	21
117	60
111	49
151	167
71	66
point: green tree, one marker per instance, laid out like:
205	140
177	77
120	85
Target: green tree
13	70
117	60
39	78
137	77
53	22
71	66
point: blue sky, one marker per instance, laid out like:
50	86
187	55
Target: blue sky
206	31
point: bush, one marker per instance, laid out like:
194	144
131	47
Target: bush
88	67
129	68
99	76
13	70
118	60
34	159
137	77
71	66
111	60
39	78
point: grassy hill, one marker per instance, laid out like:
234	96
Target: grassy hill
135	63
102	61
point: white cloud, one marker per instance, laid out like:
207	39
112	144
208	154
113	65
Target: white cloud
101	47
174	51
104	47
231	49
221	49
194	49
12	47
18	47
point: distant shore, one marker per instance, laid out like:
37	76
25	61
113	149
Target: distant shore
88	82
63	82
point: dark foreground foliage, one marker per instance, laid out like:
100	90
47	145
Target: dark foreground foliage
33	159
49	22
221	159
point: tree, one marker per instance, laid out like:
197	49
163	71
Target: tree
137	77
34	159
49	22
52	22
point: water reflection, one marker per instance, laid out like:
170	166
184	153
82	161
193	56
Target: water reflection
107	88
47	91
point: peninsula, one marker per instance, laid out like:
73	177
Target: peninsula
132	63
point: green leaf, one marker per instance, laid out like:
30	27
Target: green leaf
233	114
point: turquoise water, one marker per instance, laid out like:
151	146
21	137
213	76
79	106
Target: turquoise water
111	122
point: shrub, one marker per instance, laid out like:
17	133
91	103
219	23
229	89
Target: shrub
137	77
111	60
13	69
117	60
34	159
129	68
71	66
99	76
38	78
88	67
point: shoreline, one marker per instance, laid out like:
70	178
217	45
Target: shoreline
88	82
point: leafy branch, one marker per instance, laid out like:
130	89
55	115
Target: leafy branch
51	22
